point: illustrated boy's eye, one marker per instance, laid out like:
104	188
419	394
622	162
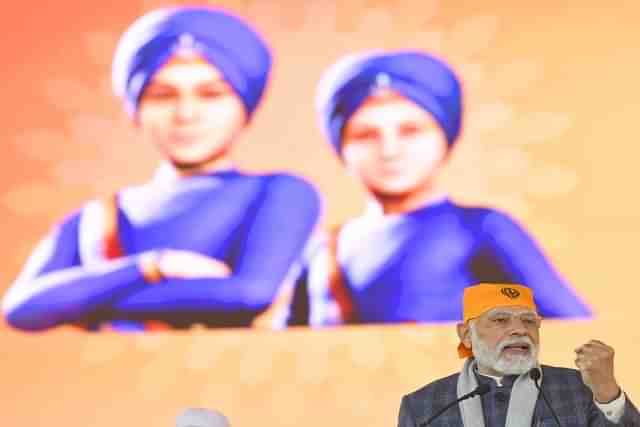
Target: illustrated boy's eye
409	129
211	92
362	134
160	93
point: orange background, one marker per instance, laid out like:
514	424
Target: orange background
550	136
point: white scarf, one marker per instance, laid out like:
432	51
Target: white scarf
522	402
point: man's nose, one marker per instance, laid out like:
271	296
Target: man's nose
517	326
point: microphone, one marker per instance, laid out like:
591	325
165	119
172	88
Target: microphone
535	376
479	391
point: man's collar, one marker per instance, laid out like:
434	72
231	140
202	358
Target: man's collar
498	380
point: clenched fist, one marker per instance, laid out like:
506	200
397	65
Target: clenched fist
595	362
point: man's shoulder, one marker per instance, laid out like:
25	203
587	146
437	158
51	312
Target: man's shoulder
440	387
565	383
553	372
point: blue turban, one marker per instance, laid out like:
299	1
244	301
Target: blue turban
222	39
422	78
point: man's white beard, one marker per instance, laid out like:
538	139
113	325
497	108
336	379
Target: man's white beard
513	365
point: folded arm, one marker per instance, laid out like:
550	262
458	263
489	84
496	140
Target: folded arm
54	287
274	237
522	261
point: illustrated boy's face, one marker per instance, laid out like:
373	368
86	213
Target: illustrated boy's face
190	113
394	146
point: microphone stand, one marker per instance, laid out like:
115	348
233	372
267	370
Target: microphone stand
535	376
479	391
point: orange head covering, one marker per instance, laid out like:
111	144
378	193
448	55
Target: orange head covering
483	297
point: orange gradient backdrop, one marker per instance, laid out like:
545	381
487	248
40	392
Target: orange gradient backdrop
550	136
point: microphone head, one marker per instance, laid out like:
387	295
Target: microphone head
535	374
483	389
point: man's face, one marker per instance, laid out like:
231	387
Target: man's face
393	145
190	113
504	340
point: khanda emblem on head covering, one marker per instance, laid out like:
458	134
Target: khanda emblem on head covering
510	292
186	46
383	80
381	83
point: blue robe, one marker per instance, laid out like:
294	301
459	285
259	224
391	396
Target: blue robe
414	267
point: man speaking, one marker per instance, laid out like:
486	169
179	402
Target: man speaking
502	383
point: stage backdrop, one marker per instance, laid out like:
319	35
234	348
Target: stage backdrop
549	137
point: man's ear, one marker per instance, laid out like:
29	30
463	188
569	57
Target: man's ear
464	333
